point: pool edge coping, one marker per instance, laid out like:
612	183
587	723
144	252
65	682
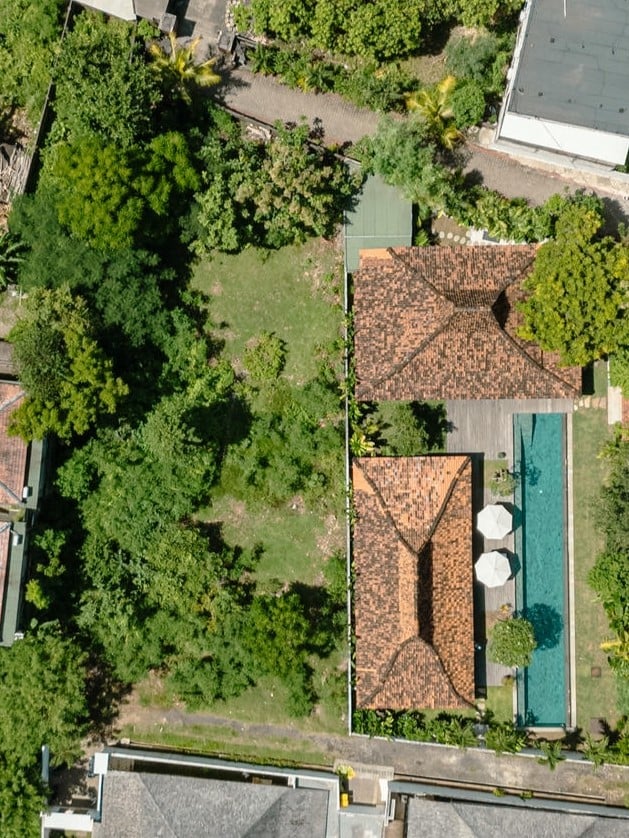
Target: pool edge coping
572	704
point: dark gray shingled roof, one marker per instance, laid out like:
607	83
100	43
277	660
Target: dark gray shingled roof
575	69
145	805
442	819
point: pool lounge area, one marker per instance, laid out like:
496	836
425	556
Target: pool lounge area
539	445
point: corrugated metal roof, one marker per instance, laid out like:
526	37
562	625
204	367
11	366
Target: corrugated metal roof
575	68
381	218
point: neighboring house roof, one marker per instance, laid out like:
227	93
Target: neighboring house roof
441	323
145	805
13	450
569	85
124	9
444	819
413	594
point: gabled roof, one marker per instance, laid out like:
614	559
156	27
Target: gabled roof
441	322
413	594
145	805
12	449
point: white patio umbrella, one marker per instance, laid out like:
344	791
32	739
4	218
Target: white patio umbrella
493	569
494	521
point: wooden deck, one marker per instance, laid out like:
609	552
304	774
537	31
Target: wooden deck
484	429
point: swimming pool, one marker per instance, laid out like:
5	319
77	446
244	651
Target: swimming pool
540	499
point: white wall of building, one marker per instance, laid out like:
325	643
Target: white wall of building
573	140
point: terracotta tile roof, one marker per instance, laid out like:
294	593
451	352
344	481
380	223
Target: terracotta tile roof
413	594
440	323
5	545
12	448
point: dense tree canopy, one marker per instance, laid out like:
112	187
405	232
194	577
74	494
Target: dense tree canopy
42	690
28	38
272	193
578	291
381	29
103	86
68	379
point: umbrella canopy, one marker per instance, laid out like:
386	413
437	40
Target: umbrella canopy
494	521
493	569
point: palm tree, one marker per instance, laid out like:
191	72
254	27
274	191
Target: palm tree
179	69
552	754
434	105
11	254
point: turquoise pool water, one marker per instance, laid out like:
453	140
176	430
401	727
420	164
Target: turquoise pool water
539	461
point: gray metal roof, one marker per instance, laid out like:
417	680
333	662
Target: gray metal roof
575	69
382	217
145	805
441	819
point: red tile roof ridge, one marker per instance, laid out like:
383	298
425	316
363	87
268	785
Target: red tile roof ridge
388	669
397	368
465	459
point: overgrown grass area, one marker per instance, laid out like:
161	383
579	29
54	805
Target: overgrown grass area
596	696
226	743
293	292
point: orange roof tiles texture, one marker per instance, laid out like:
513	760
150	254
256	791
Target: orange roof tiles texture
13	450
413	594
441	322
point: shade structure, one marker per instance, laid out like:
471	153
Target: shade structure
493	569
494	521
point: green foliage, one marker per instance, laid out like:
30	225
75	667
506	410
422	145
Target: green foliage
502	483
272	194
265	358
552	753
482	58
42	689
403	155
610	574
28	38
22	799
619	370
577	291
381	30
103	86
434	106
406	429
467	103
505	739
11	257
178	70
68	379
108	197
512	642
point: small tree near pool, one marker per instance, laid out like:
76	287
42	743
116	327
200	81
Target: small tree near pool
512	642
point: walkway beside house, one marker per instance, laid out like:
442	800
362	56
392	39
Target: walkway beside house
609	783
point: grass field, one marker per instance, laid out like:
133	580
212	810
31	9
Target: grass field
293	292
596	697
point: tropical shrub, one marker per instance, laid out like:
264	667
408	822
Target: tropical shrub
512	642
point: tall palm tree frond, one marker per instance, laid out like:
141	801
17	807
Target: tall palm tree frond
178	65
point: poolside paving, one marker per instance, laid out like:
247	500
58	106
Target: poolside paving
484	429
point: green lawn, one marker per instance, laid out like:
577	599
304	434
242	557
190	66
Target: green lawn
293	292
596	697
295	542
500	702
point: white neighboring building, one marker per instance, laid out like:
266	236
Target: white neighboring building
568	88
